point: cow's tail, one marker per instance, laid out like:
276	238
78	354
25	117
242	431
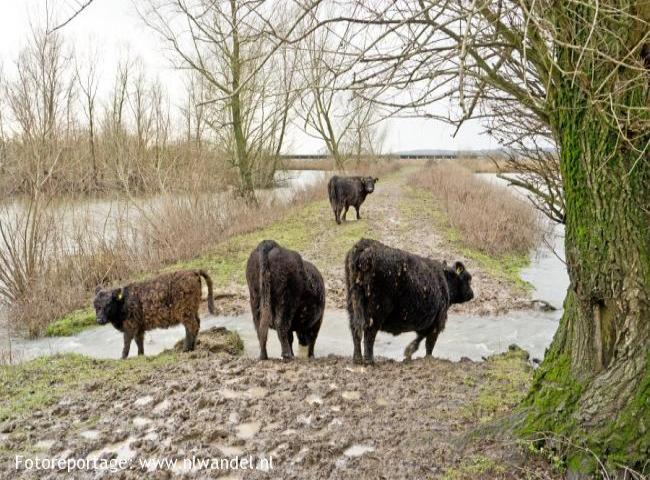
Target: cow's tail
208	282
265	288
356	301
331	191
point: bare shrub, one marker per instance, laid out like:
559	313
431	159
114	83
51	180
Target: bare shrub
60	274
488	217
26	236
484	164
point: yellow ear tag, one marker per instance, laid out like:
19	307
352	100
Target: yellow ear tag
119	295
459	270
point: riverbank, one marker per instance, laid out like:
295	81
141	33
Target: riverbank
397	213
322	418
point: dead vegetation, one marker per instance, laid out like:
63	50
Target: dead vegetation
487	217
46	274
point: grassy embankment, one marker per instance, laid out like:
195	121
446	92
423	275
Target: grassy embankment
497	230
296	228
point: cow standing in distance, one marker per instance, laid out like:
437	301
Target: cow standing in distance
396	291
161	302
287	294
346	192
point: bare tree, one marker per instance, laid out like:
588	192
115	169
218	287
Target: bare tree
230	44
77	7
39	102
87	78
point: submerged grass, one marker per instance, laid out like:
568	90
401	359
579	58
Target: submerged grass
71	324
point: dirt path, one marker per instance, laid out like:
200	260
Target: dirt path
318	419
398	216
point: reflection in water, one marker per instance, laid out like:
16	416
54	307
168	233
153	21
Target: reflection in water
470	336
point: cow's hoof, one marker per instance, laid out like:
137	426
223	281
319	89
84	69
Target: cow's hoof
263	357
369	362
357	360
287	359
409	351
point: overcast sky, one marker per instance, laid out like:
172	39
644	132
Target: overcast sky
113	28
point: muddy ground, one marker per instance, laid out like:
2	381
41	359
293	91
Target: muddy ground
319	419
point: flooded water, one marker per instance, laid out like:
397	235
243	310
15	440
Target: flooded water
470	336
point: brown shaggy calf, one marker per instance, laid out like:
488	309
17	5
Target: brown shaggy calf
160	302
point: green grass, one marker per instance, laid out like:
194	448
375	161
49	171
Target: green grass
418	203
227	261
477	466
72	323
40	382
505	384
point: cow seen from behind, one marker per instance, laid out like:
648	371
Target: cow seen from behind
287	294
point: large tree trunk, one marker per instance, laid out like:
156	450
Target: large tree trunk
593	388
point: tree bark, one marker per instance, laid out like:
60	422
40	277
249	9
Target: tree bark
593	388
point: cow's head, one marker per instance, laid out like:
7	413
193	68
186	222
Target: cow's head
460	283
108	304
369	184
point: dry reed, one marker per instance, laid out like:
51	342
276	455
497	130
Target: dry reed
487	217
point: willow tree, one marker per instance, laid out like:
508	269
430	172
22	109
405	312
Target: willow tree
234	46
581	69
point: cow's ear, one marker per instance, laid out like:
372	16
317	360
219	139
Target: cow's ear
459	267
118	294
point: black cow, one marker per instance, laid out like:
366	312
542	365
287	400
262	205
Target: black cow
396	292
287	294
346	192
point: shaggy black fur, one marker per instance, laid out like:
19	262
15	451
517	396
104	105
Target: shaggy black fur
346	192
287	294
396	292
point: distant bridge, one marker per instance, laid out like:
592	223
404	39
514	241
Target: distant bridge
395	156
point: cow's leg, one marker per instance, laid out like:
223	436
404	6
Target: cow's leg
337	212
191	331
356	340
369	335
345	212
283	336
127	344
310	349
283	326
357	208
290	340
412	347
139	341
255	310
431	341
